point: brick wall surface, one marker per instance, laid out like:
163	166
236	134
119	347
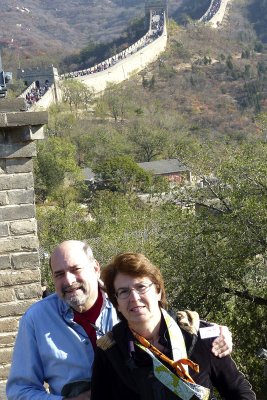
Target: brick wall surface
19	260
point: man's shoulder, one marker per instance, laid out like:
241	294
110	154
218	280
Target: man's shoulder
42	305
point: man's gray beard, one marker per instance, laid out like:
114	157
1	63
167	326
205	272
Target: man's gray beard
75	300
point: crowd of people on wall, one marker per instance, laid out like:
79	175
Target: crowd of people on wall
216	4
157	25
157	21
35	93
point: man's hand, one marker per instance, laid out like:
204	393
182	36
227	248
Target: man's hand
83	396
222	346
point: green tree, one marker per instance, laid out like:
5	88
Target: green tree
149	141
55	158
214	255
122	174
116	101
61	122
76	94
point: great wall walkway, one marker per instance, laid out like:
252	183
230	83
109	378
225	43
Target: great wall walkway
130	61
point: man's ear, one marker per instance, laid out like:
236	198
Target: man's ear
97	268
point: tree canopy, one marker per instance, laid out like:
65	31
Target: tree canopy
121	174
54	160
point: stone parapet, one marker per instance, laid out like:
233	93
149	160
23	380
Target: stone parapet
125	68
19	259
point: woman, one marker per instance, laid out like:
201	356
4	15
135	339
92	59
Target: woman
135	360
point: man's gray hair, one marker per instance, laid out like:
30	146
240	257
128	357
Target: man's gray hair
88	251
86	248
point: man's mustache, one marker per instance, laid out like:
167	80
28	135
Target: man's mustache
72	287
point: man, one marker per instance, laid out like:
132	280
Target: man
57	335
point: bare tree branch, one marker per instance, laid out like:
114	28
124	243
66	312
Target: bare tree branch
254	299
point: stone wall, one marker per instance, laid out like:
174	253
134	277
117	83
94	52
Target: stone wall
40	74
19	259
139	55
125	68
218	17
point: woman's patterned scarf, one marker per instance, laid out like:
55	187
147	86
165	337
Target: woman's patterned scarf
181	384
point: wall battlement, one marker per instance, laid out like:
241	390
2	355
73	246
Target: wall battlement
40	74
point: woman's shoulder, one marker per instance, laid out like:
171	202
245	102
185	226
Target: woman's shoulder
106	341
117	336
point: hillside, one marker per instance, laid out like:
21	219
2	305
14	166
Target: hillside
68	25
215	80
43	31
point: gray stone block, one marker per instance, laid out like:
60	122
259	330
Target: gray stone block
3	199
8	325
4	373
17	278
25	260
3	230
22	227
20	196
15	309
2	166
7	340
17	150
2	135
19	244
5	262
29	292
15	165
11	105
3	392
6	295
24	211
25	133
3	119
26	118
16	181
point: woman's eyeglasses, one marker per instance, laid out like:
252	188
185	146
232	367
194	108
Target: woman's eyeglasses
139	288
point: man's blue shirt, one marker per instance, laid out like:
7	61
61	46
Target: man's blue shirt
50	347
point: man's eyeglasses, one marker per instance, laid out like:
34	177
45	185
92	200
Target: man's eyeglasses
139	288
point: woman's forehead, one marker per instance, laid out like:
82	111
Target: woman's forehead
126	280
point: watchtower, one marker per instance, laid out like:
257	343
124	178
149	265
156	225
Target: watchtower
39	75
155	5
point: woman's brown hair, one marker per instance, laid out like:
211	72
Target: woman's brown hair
136	265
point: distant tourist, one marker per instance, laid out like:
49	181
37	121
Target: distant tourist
45	290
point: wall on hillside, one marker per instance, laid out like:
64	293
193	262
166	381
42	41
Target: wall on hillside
19	258
130	61
128	66
53	94
135	60
40	74
218	17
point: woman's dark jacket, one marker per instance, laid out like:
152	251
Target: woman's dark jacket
119	373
